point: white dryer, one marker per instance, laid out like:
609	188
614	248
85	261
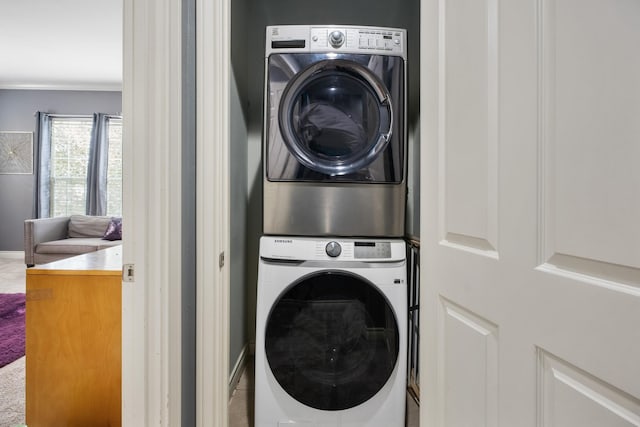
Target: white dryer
331	332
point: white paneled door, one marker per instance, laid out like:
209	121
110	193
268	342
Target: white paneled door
530	213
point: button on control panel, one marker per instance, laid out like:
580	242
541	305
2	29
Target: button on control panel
336	38
333	249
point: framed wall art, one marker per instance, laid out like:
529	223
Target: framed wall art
16	152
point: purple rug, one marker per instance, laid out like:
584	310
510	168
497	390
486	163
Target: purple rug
12	324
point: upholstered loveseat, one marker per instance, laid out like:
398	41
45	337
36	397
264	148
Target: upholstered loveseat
51	239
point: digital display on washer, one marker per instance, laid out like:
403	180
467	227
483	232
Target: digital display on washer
364	250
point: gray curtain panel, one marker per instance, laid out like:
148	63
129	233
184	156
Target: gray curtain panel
42	190
97	169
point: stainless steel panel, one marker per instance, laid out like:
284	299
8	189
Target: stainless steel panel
313	209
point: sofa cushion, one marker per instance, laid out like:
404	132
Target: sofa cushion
88	226
77	245
104	244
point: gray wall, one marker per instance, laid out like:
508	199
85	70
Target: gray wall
238	181
189	232
413	181
17	108
249	19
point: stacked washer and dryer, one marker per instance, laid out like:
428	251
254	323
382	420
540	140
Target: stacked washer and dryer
331	315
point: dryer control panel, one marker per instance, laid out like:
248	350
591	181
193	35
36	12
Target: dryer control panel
330	38
366	39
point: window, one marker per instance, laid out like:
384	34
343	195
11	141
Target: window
70	146
69	159
114	168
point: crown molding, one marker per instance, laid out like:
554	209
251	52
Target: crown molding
85	87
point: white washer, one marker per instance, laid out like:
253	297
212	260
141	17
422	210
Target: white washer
331	332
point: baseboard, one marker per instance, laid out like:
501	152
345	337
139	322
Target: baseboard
238	369
12	254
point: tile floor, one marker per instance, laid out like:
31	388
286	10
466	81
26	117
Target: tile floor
241	403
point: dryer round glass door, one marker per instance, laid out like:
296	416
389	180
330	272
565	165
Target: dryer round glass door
336	116
332	340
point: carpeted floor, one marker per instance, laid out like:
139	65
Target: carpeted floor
12	327
12	394
12	378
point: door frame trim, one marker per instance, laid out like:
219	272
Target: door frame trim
213	80
152	149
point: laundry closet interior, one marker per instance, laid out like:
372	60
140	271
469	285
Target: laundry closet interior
249	19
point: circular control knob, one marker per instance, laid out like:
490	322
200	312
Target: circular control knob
333	249
336	38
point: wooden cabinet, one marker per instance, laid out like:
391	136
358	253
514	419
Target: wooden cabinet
73	341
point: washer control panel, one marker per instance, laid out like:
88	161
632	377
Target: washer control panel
361	250
330	38
301	249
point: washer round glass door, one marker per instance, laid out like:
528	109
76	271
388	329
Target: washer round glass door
335	116
332	340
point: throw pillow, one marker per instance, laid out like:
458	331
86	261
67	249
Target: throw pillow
114	229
